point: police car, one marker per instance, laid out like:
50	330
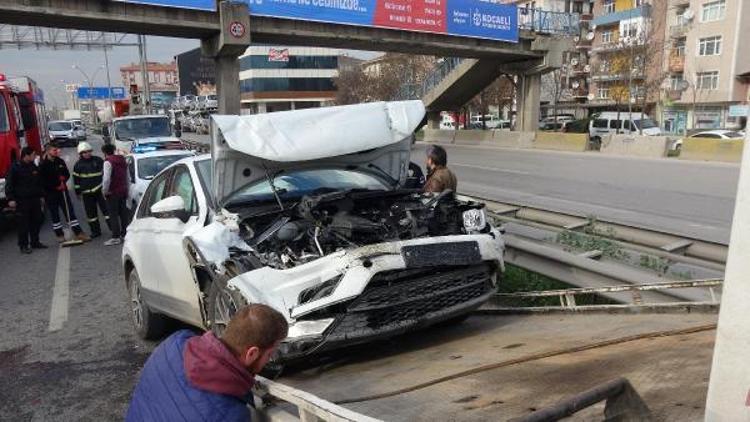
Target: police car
145	162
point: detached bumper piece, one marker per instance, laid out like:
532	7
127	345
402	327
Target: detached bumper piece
398	301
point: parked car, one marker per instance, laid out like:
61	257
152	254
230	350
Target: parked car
144	166
576	126
63	133
317	227
555	122
609	122
712	134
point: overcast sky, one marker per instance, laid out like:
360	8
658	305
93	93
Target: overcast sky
53	68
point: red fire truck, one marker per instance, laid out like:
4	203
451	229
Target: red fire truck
33	113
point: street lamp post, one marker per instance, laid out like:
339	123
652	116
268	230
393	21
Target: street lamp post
90	83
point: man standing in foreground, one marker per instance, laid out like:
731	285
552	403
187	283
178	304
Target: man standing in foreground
23	188
55	177
115	186
87	181
207	378
439	177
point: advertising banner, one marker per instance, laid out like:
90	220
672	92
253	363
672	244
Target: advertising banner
466	18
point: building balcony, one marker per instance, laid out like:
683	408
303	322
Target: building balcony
676	63
674	94
679	31
609	77
679	3
587	17
610	18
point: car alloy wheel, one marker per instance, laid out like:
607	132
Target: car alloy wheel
136	303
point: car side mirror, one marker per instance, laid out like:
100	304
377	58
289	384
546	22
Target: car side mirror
171	207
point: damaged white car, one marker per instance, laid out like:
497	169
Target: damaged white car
305	211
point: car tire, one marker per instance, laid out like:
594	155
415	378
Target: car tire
148	324
223	303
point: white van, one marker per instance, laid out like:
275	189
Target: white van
607	122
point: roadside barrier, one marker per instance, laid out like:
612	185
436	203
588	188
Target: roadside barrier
439	136
558	141
635	145
703	149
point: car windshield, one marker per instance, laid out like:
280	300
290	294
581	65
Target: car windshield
142	128
60	126
645	124
151	166
212	97
733	135
204	173
296	184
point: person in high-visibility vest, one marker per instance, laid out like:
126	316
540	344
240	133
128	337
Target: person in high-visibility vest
55	176
87	180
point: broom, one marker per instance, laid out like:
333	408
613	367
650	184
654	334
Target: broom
72	242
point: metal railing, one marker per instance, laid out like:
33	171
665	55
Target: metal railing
567	297
546	22
417	90
308	406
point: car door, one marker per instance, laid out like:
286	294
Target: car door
176	286
141	233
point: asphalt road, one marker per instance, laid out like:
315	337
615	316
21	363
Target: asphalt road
68	351
687	198
694	199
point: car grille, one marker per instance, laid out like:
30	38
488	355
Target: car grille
399	300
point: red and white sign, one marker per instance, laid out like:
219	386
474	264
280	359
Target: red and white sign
237	29
278	55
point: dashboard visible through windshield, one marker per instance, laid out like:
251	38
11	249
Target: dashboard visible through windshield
296	184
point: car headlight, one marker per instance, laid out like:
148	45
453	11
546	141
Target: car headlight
475	220
301	329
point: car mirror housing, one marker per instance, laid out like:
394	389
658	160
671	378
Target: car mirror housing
171	207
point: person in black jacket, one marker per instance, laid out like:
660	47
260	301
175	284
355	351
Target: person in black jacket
25	194
87	181
55	176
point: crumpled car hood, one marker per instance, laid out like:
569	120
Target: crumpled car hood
245	148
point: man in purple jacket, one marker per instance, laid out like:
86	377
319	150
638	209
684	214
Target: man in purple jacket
207	378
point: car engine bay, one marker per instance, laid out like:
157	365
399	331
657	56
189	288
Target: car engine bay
318	225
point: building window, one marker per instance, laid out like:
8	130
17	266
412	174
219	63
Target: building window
287	84
609	6
679	48
608	37
714	11
602	93
710	46
676	82
707	80
680	19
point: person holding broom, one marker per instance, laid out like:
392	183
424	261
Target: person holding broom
55	177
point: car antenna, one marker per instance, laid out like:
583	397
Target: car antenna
273	188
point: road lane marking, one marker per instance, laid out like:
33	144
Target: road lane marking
490	168
59	311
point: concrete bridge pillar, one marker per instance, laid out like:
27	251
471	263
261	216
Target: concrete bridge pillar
433	120
529	95
225	48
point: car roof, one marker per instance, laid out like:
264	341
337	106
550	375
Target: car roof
160	153
145	116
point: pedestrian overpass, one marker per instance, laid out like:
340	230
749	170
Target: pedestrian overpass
534	53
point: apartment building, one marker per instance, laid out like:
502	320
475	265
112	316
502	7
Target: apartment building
707	66
278	78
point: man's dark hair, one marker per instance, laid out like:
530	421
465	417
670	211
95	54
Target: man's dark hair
108	149
26	151
255	325
50	146
438	155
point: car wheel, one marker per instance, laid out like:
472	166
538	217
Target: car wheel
148	324
223	303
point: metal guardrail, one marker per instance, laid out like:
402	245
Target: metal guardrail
417	90
567	298
309	407
623	403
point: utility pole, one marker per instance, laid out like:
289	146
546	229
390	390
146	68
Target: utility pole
110	106
146	100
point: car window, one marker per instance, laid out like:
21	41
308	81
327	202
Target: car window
148	167
60	126
733	135
615	124
182	186
707	135
600	123
154	194
131	169
4	123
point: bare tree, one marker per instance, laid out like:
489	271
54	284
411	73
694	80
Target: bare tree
499	93
385	80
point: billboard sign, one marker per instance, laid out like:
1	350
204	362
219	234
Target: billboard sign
278	55
100	93
467	18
